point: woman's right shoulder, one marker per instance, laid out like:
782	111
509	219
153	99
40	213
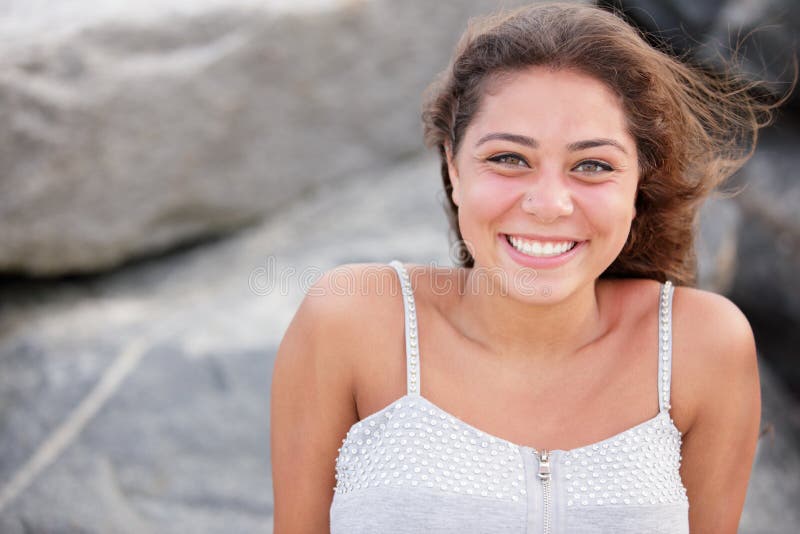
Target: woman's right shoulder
315	380
367	289
350	292
344	317
354	311
345	309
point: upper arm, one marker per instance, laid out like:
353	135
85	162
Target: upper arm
311	409
719	447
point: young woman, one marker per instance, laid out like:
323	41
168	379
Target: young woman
565	377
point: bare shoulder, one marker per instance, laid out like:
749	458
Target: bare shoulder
705	324
712	343
350	301
715	326
714	346
355	286
313	389
338	319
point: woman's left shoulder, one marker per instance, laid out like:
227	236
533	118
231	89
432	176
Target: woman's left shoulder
713	352
713	325
713	348
701	320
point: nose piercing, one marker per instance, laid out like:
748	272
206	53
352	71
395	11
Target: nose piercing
526	203
528	200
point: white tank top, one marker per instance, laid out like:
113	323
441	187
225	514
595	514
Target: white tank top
413	467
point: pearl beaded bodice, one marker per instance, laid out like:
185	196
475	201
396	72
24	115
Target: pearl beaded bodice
413	459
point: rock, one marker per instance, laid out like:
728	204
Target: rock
765	33
678	22
777	462
127	132
766	280
762	34
181	444
717	244
768	258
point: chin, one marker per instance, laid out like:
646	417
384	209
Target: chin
539	291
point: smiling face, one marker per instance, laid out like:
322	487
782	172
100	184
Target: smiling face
545	178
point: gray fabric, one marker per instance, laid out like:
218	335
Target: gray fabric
661	519
413	467
402	512
388	510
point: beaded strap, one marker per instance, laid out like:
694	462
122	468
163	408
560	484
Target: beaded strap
412	341
665	346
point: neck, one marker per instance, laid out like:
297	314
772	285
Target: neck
544	332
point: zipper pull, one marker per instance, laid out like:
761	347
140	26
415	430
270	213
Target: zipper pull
547	504
544	465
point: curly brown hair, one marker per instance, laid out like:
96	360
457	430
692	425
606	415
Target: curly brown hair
693	128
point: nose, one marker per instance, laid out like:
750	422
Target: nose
548	198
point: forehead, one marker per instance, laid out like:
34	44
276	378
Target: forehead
545	103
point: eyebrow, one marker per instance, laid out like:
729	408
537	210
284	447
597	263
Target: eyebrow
514	138
532	143
591	143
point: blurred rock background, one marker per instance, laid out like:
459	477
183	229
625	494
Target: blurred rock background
165	162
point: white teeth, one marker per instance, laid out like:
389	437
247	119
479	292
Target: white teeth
540	249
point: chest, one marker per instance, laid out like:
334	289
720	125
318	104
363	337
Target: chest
414	460
607	389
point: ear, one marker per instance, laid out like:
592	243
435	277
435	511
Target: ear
453	173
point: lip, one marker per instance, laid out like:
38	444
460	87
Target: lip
541	263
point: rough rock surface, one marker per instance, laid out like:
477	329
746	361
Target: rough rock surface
133	127
770	241
766	285
717	244
760	34
181	443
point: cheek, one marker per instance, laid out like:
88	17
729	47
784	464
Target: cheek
609	210
487	198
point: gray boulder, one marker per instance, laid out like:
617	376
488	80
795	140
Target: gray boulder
717	244
760	34
126	130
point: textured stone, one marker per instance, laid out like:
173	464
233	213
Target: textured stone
761	32
182	445
717	244
769	256
138	129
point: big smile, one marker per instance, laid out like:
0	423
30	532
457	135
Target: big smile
539	249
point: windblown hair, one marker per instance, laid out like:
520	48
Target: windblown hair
693	128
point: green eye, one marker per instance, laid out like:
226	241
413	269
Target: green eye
593	167
509	159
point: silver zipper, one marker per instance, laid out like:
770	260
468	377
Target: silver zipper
544	475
